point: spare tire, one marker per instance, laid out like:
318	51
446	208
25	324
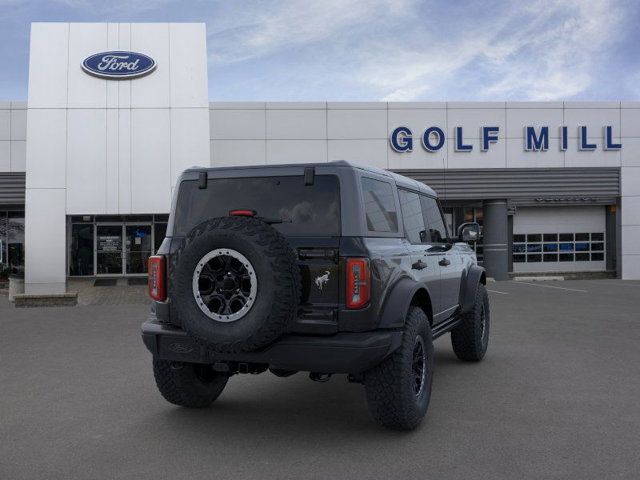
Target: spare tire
236	284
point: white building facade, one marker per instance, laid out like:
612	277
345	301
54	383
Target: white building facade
556	185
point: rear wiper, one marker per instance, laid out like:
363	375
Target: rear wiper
272	221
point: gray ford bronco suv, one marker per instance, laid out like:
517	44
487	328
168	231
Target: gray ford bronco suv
328	268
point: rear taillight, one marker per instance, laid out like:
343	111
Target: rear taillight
358	285
157	278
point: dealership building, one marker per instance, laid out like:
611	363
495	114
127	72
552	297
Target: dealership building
116	111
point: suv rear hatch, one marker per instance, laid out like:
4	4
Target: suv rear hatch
305	210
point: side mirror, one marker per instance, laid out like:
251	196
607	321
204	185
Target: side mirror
469	232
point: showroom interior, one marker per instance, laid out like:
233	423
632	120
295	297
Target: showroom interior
88	165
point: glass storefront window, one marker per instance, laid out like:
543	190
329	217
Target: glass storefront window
81	250
160	230
11	242
113	244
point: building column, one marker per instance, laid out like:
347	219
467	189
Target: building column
495	239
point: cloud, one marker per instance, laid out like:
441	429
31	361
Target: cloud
408	50
271	27
546	51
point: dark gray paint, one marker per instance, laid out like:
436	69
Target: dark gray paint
495	241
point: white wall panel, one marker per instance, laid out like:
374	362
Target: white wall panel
238	152
418	158
47	148
86	91
559	219
5	156
495	157
364	152
111	162
48	65
18	156
357	124
630	211
418	120
18	124
188	56
237	124
296	124
153	90
45	241
630	118
518	118
113	43
630	153
5	124
150	161
124	87
630	181
124	161
189	140
630	235
471	119
592	118
630	267
296	151
517	157
86	161
597	158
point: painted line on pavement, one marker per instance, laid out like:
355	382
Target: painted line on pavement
496	291
551	286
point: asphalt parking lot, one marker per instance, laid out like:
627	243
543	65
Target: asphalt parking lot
557	396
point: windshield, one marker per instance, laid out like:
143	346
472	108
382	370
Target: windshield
306	210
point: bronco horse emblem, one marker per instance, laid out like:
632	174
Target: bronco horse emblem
322	280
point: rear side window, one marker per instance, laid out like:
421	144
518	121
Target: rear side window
379	206
412	216
436	231
307	210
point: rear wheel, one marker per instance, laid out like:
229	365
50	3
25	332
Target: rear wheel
192	385
470	339
399	389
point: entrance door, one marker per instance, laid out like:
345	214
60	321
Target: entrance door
137	248
109	249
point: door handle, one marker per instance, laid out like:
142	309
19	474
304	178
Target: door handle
444	262
419	265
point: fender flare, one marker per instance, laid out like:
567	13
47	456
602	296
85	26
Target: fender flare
474	277
395	309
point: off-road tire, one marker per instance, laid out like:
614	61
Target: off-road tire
189	385
389	386
278	280
469	339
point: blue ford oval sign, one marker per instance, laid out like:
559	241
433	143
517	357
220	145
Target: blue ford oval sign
118	65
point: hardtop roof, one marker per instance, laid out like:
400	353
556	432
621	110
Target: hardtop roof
400	180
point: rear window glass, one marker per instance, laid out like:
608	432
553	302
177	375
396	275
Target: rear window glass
379	205
311	210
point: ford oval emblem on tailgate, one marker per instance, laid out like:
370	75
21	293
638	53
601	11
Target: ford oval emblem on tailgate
118	65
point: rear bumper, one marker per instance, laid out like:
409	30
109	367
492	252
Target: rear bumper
339	353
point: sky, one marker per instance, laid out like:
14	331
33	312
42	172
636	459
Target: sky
377	50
